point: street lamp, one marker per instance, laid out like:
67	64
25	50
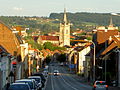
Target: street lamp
93	61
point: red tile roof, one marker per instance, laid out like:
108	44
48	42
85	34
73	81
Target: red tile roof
72	36
51	38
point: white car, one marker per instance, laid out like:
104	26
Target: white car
19	86
56	73
31	83
38	80
45	73
100	85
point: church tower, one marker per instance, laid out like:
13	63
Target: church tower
64	37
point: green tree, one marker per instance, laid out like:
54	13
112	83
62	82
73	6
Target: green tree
48	45
34	44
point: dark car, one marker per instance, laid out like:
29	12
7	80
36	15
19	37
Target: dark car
42	78
19	86
100	85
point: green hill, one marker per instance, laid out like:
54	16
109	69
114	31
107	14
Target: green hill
83	20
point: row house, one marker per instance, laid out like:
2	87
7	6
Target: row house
35	60
76	58
107	61
17	49
4	67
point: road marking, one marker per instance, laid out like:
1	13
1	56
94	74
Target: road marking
45	83
69	84
83	85
52	82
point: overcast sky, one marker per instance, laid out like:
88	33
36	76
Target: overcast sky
45	7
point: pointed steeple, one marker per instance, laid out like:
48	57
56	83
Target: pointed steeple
65	16
111	22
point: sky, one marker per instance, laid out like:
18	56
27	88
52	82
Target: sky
45	7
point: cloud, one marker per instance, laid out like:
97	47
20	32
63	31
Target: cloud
17	9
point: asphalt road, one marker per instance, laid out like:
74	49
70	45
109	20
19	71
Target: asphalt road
64	81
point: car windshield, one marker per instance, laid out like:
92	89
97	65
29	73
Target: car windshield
56	71
18	87
100	83
36	79
29	82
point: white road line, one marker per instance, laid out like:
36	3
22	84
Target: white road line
45	83
52	83
69	84
80	83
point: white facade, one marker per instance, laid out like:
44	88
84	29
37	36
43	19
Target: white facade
64	37
81	58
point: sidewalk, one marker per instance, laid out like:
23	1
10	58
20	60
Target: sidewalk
84	81
114	88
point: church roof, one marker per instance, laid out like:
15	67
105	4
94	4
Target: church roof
51	38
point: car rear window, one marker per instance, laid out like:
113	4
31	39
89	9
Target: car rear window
100	83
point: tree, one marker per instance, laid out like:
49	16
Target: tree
48	45
34	44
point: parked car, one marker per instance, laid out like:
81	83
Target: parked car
31	83
38	80
100	85
56	72
19	86
45	73
42	78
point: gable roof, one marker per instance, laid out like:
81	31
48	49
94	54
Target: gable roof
115	43
9	40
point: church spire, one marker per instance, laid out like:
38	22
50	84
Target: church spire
65	16
111	22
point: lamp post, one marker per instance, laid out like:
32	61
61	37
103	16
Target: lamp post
93	61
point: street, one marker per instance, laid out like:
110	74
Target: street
64	81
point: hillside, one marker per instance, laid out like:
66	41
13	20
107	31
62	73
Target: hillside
83	18
85	21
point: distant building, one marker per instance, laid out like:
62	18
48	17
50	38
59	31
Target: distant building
62	38
21	31
52	39
54	34
77	32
